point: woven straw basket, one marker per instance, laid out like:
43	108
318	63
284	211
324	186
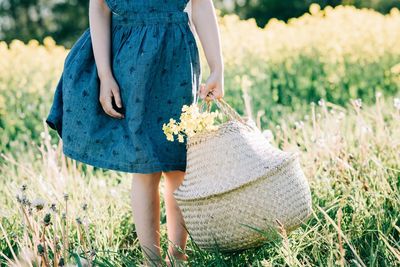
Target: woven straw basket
237	184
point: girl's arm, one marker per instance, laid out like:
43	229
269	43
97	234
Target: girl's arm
100	21
205	22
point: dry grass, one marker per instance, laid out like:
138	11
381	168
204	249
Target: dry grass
57	210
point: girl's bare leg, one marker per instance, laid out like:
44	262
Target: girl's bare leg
145	200
176	232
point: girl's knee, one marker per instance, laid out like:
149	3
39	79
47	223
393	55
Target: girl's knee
173	180
149	179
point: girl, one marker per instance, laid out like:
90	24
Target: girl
131	71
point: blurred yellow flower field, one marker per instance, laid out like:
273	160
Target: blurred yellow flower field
325	84
335	53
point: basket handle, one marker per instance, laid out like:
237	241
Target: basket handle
226	109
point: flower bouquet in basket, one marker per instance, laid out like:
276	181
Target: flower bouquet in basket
239	191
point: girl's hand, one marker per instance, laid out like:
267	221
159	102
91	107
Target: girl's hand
100	33
214	86
108	89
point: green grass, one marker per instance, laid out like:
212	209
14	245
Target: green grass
349	154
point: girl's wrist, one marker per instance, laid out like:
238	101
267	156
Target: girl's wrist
217	69
105	75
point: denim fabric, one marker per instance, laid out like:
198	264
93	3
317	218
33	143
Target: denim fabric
155	61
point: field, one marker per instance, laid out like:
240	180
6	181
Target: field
325	84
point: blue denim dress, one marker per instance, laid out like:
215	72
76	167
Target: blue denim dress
155	61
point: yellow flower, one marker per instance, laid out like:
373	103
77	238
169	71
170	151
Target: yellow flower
49	42
33	43
185	107
170	137
192	121
395	69
314	9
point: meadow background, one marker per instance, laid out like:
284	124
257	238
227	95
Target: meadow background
325	83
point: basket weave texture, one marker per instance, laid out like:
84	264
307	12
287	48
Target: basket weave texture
237	184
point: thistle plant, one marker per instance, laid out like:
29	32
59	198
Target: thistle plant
192	121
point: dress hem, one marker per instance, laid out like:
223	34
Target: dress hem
130	168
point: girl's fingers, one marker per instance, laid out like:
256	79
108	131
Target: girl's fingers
218	93
202	90
214	92
210	96
117	97
109	90
207	89
110	110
